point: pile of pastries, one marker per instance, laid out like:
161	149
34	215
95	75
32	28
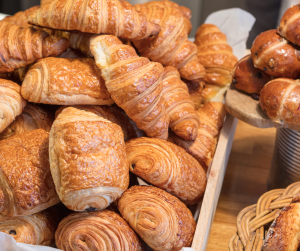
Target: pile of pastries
94	94
271	73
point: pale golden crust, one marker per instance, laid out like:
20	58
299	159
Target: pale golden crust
64	81
88	160
162	220
26	182
210	92
102	231
168	167
135	84
114	17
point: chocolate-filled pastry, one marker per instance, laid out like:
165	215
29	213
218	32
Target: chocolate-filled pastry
275	56
168	167
195	91
247	78
34	229
64	81
11	102
88	160
158	217
33	117
26	185
280	100
102	231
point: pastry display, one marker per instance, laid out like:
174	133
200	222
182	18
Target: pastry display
107	231
88	160
161	219
26	185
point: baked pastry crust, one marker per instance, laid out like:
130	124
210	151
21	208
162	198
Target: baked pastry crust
20	18
195	91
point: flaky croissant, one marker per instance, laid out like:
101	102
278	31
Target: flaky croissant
11	102
162	220
88	160
195	91
212	116
168	167
101	231
215	54
135	84
63	81
171	47
35	229
184	120
114	17
33	117
22	46
20	18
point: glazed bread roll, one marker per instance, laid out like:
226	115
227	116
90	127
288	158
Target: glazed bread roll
63	81
280	100
26	185
88	160
33	117
114	114
11	103
267	54
167	166
102	231
35	229
158	217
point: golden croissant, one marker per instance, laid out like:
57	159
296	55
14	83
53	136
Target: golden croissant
171	47
215	54
63	81
184	120
161	219
22	46
11	102
135	84
20	18
168	167
211	116
114	17
102	231
88	160
33	117
34	229
195	91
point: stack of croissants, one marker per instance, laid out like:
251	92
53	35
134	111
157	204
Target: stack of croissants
94	94
271	73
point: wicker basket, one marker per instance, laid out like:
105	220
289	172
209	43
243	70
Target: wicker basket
253	220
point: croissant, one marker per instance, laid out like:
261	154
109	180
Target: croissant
101	231
33	117
114	17
247	78
289	25
171	47
184	120
212	116
135	84
168	167
20	18
26	185
11	102
63	81
215	54
161	219
279	99
88	160
22	46
195	91
267	54
113	114
35	229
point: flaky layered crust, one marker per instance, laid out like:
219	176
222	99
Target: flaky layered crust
101	231
162	220
88	160
63	81
26	185
135	84
114	17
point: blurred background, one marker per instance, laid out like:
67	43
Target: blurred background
266	12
